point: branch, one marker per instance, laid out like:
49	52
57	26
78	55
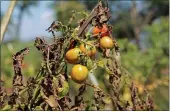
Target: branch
6	18
91	16
96	87
136	27
148	17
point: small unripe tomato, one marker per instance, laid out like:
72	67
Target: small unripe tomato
88	49
79	73
106	42
103	30
72	56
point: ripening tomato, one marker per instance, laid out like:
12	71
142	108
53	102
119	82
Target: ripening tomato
72	56
103	30
88	49
106	42
79	73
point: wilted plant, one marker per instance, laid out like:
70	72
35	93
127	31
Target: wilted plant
49	88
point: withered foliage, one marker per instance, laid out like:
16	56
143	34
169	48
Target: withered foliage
49	88
17	62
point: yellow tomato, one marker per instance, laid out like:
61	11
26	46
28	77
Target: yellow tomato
72	56
79	73
106	42
87	49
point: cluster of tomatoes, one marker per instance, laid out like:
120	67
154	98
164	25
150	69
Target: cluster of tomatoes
79	72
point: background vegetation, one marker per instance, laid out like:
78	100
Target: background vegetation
141	29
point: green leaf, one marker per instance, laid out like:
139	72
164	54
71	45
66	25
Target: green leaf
100	63
89	105
108	71
36	92
64	90
51	101
106	100
89	64
22	106
88	108
6	108
38	108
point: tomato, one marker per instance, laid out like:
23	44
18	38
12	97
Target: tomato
72	56
79	73
88	49
106	42
103	30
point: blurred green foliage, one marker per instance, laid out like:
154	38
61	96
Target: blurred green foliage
64	10
150	66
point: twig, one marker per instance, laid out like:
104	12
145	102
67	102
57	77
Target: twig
74	108
96	87
90	17
148	17
126	71
23	90
6	18
132	78
48	61
59	105
83	41
72	18
136	27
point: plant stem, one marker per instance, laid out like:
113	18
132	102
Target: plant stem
48	61
96	87
23	91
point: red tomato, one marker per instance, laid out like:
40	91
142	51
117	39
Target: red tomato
103	30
